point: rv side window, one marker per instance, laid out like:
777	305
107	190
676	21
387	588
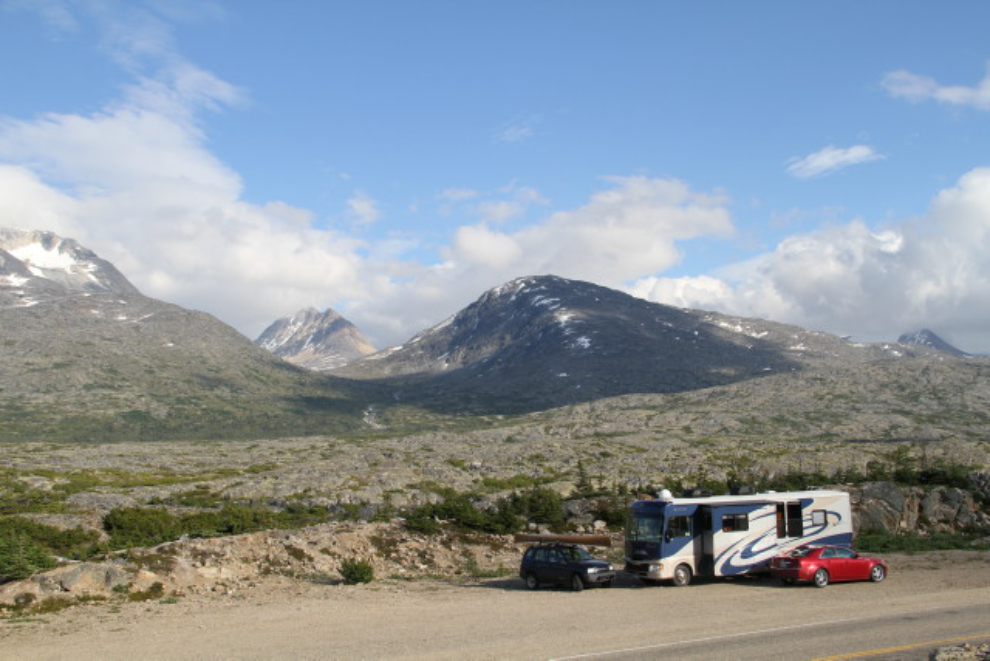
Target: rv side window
678	526
818	518
735	522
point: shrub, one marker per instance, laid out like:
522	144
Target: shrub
541	505
357	571
155	591
21	557
140	526
76	543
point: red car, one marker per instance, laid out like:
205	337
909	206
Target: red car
822	565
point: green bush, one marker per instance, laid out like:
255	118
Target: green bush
129	527
140	526
21	557
357	571
541	505
76	543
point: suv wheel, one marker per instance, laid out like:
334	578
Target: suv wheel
576	583
532	583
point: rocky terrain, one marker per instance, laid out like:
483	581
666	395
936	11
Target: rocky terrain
229	564
234	562
85	357
472	617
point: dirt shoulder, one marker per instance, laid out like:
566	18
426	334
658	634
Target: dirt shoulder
279	617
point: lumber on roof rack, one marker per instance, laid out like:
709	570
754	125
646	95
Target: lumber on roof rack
585	540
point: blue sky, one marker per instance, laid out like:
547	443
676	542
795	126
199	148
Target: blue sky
824	164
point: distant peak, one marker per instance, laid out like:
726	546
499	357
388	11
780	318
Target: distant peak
927	338
46	257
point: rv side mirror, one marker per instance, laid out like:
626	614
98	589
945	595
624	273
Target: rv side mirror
667	536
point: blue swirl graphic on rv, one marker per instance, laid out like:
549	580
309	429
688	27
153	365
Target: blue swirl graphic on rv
745	555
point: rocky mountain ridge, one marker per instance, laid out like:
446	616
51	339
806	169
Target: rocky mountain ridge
318	341
86	356
38	266
544	341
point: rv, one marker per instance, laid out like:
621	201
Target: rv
678	538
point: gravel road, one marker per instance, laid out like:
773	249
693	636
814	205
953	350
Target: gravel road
498	619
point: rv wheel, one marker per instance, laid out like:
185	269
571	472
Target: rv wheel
682	575
821	578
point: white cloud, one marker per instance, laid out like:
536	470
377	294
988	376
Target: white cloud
362	209
705	292
518	129
624	231
28	203
136	183
926	272
457	194
479	246
830	159
913	87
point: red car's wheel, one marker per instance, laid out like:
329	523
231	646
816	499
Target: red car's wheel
877	573
821	578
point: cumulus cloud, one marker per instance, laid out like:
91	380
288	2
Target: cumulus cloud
830	159
362	209
930	271
629	228
136	183
913	87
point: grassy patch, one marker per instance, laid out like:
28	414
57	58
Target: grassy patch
883	542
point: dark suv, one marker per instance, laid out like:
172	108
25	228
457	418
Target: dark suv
564	564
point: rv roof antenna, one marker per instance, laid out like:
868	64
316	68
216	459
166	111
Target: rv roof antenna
665	495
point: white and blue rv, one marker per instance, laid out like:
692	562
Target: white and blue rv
678	538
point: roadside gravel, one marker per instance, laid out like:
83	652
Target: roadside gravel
489	619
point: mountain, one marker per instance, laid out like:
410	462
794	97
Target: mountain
85	356
37	266
926	338
544	341
315	340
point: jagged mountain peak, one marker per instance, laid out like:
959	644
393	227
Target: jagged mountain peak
37	265
927	338
315	340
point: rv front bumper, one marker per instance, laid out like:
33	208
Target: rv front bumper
650	571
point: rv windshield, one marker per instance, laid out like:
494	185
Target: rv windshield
642	527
